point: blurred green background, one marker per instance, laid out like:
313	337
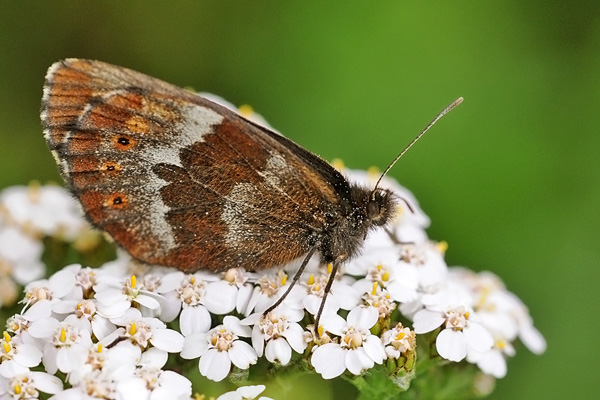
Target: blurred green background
510	178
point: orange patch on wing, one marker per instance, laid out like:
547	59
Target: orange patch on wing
137	124
84	142
127	101
93	204
87	163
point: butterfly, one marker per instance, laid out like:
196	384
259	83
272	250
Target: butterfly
180	181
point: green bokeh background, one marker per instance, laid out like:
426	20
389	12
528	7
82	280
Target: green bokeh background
510	179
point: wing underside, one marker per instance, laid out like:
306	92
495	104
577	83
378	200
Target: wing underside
178	180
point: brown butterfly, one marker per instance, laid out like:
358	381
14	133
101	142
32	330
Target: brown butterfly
180	181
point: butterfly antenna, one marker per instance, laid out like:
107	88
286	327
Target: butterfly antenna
436	119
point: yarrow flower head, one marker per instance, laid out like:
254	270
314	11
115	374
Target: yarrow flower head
219	348
399	341
357	349
277	333
116	331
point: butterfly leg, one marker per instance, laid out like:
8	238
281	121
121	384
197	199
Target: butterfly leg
330	281
294	280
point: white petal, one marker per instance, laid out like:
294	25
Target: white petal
407	274
115	310
41	309
102	327
176	383
147	301
401	293
493	363
194	345
154	358
132	388
109	295
258	340
64	306
49	358
478	338
230	396
532	339
130	315
363	317
155	323
311	303
177	392
167	339
391	352
250	392
334	324
293	299
357	361
62	282
255	297
28	355
215	365
251	319
46	383
170	282
26	273
374	349
121	359
43	328
194	319
291	314
220	297
278	349
70	358
11	368
329	360
242	355
243	298
425	321
347	296
76	393
233	324
451	345
17	247
170	305
293	334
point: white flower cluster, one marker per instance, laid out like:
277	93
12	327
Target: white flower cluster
106	329
107	333
26	215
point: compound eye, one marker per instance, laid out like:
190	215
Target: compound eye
373	210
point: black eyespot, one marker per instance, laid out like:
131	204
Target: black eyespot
117	200
123	141
110	168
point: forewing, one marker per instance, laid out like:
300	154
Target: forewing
178	180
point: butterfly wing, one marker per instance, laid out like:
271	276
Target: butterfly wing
180	181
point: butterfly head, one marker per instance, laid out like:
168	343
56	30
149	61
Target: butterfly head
380	207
